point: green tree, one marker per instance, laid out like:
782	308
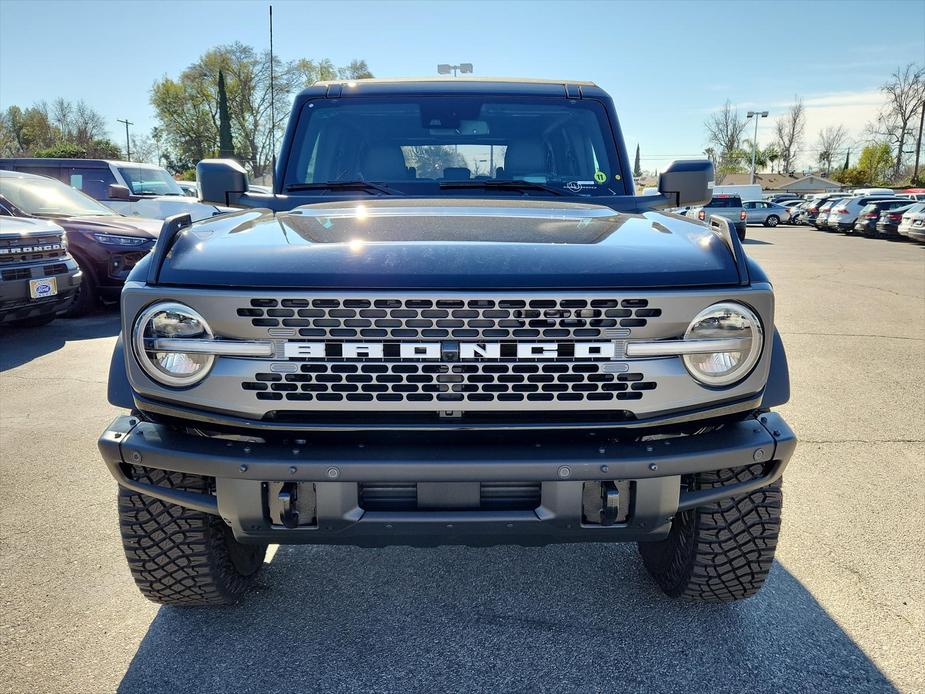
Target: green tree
97	149
62	151
637	167
25	132
771	154
876	162
225	142
761	161
187	107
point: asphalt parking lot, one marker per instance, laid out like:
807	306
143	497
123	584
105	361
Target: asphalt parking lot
842	610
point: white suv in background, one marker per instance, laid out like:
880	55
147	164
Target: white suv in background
130	188
844	214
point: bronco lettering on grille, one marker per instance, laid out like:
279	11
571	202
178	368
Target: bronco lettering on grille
449	351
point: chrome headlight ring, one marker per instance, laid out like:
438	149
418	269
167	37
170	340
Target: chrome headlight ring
175	321
728	321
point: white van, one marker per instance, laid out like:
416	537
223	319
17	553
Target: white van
873	191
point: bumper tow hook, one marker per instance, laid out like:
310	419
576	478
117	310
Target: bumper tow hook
288	495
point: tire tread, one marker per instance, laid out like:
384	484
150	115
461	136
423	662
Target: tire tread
723	551
176	555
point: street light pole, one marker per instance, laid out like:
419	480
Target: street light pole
446	68
128	147
918	144
757	115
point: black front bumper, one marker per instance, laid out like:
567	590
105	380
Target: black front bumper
333	473
15	300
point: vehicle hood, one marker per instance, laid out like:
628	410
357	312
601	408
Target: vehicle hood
443	244
124	226
27	227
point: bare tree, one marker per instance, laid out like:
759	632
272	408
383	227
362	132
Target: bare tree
62	114
144	149
724	130
904	94
788	132
711	155
88	124
830	141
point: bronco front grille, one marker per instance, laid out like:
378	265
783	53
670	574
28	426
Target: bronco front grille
411	319
569	382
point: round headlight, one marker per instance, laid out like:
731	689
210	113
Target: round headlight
723	321
175	322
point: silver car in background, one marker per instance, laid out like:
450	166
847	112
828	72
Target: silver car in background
912	225
770	214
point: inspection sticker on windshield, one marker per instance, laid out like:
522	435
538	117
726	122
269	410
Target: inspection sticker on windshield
600	176
39	289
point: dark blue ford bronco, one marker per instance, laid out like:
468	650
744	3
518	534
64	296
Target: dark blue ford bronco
452	322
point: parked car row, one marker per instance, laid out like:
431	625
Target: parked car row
129	188
874	214
98	248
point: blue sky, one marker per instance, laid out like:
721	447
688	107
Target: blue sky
667	64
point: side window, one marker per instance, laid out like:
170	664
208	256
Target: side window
50	171
93	182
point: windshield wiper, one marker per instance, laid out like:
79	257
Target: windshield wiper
502	185
343	185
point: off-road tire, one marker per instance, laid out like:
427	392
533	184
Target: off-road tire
178	556
723	551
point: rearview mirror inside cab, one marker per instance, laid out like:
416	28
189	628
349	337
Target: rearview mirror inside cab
687	182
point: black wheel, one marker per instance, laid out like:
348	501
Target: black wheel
772	221
721	552
182	557
86	300
35	322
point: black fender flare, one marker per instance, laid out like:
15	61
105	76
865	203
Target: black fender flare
119	391
777	390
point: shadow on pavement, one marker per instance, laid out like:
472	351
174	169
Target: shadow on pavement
563	618
19	346
756	242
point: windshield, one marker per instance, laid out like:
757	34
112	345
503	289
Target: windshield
45	196
420	144
143	181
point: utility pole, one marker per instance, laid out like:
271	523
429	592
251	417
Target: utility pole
918	144
128	147
757	115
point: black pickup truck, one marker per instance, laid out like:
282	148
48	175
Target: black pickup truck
452	321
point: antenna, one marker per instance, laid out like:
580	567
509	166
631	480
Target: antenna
272	112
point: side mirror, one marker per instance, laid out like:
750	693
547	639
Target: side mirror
221	181
117	192
687	182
